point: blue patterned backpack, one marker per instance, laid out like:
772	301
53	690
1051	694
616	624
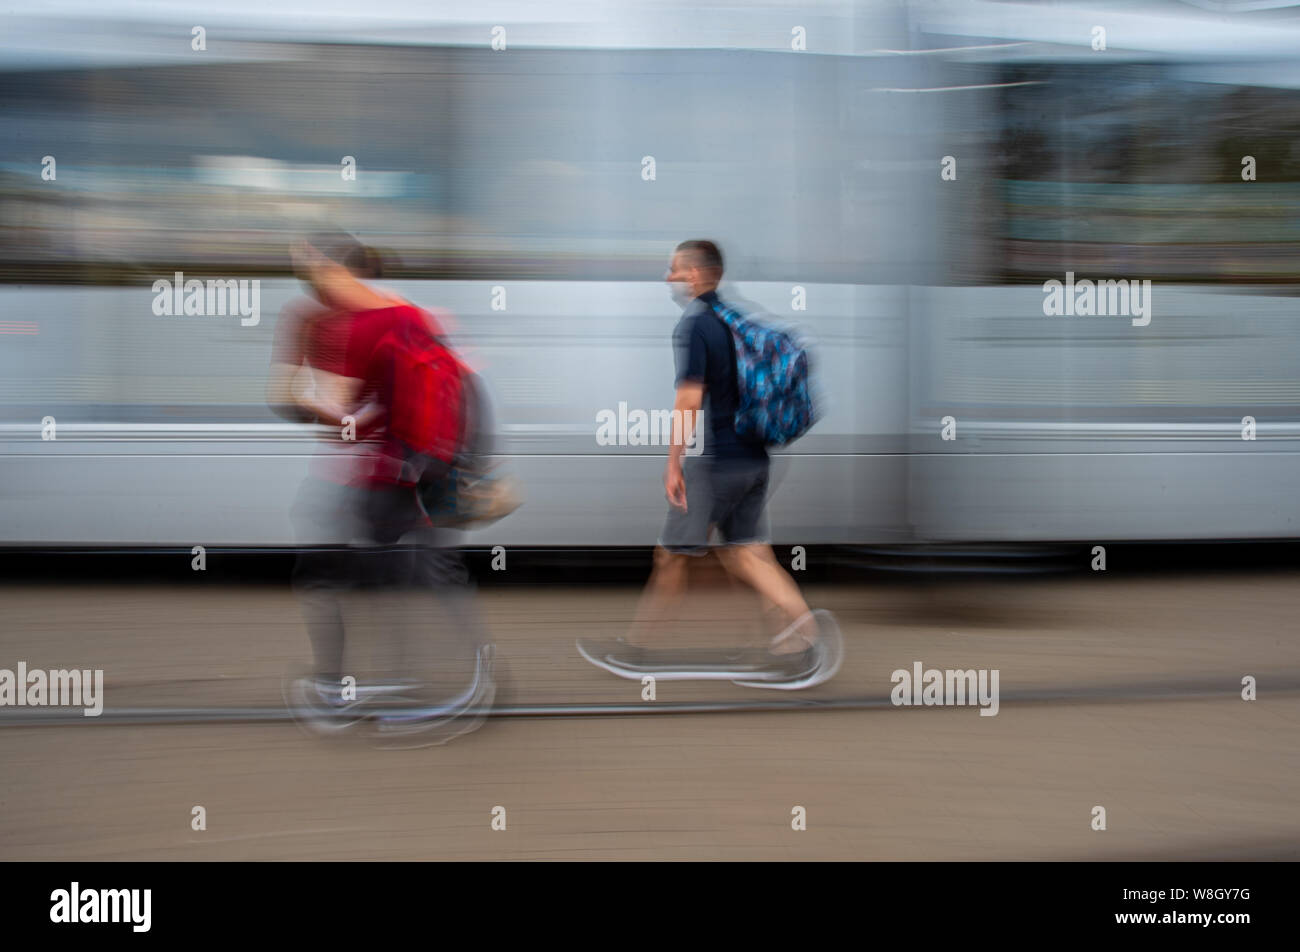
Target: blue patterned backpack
776	405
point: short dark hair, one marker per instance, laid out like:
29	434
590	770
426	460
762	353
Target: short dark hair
344	249
706	253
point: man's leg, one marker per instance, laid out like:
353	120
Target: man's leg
685	535
442	571
741	487
414	561
321	572
386	568
756	565
660	603
767	617
439	565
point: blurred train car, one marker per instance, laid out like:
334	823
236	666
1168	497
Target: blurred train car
1113	143
512	187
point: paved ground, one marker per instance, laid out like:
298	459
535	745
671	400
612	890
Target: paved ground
1180	779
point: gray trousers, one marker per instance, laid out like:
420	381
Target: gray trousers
373	541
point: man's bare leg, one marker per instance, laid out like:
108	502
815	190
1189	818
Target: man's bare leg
661	601
756	565
770	619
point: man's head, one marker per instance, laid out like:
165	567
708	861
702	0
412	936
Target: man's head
330	259
333	265
347	250
696	267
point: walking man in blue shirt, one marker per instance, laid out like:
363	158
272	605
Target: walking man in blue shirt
724	488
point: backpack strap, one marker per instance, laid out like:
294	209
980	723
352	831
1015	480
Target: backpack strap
722	311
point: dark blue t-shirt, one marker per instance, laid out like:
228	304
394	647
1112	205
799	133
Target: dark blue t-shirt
706	353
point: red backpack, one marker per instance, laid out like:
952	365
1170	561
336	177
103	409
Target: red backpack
422	383
439	415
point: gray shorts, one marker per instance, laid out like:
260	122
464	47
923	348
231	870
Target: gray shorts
729	495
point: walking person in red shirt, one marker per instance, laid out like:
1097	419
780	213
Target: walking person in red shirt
363	492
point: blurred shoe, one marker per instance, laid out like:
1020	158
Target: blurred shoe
319	708
611	654
388	688
803	630
434	725
797	665
669	664
809	668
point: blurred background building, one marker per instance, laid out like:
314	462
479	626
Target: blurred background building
809	140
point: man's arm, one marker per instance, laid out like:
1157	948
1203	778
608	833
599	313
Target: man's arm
332	397
686	413
686	417
690	354
279	394
301	393
286	359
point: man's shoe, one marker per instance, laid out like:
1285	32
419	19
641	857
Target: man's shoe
319	708
816	665
670	664
434	725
